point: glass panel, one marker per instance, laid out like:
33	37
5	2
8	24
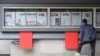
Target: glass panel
25	17
66	17
9	18
98	17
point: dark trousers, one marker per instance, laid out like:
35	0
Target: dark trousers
92	44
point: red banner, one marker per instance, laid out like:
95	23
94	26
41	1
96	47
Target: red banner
25	40
71	40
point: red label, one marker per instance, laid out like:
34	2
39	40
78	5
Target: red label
25	40
71	40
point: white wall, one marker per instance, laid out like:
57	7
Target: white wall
42	48
17	51
5	46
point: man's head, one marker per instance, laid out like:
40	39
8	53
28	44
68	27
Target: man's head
85	21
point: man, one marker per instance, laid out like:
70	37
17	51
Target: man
87	35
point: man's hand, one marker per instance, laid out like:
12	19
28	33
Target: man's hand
80	41
92	38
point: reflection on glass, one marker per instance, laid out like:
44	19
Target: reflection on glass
9	18
88	16
97	18
41	18
76	18
55	18
20	19
65	19
31	18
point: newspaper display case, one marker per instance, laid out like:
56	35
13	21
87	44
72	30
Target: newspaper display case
70	17
41	19
25	17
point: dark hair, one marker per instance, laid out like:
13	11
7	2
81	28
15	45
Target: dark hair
84	20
